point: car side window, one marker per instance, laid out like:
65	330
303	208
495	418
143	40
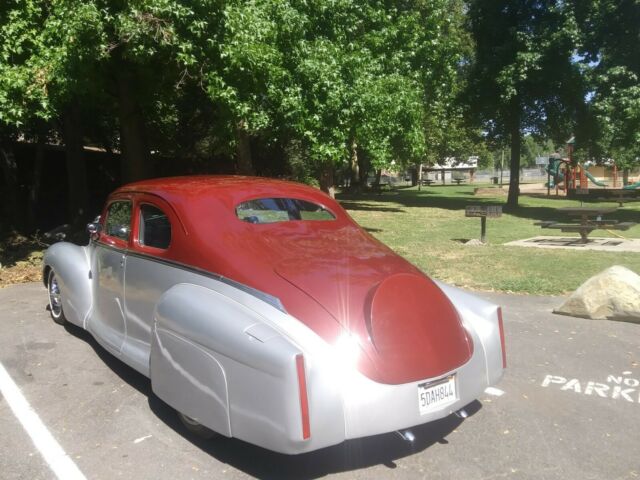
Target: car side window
118	223
155	228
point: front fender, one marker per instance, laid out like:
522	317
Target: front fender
72	266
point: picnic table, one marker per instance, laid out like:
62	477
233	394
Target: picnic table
458	180
585	220
427	181
622	196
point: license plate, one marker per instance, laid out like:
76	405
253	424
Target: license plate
433	395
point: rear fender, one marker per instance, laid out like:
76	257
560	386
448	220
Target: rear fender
72	267
482	317
218	362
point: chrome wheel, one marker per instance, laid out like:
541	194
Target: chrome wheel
55	299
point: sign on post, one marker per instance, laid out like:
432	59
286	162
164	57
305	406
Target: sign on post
542	160
491	211
484	212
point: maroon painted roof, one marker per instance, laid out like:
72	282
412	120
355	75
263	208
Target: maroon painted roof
330	274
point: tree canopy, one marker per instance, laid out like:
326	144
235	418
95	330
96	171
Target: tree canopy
307	88
610	125
523	78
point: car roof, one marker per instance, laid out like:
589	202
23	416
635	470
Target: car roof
229	188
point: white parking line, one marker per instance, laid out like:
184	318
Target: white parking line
496	392
59	462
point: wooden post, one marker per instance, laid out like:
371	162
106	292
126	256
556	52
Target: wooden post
483	211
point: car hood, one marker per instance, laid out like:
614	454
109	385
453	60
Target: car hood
406	327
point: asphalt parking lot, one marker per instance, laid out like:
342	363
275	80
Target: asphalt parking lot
570	410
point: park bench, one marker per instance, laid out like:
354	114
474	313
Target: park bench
381	187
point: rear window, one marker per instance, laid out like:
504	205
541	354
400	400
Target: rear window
271	210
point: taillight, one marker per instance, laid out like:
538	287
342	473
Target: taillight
304	400
502	344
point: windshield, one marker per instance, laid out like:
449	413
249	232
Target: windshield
270	210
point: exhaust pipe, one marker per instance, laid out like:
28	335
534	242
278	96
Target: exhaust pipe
462	413
406	435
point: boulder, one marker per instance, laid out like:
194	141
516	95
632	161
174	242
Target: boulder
613	294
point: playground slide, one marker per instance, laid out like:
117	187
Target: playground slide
552	183
594	180
632	186
556	178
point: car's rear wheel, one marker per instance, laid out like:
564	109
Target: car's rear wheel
195	427
55	299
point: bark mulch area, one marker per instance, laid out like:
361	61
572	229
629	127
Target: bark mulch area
20	258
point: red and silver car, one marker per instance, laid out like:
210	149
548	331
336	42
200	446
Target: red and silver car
260	310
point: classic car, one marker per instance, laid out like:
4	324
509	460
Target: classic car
260	310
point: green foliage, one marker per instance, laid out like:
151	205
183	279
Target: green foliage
400	81
610	125
532	148
523	78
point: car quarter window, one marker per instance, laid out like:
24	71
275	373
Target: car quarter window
270	210
155	228
118	223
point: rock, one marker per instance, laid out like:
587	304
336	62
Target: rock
613	294
474	242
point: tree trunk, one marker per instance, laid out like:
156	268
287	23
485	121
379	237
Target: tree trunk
34	188
9	199
363	169
76	168
354	170
326	180
136	160
514	178
244	162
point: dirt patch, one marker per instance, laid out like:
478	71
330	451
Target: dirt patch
20	259
489	192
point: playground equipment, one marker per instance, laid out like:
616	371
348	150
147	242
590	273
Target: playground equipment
574	178
594	180
632	186
556	173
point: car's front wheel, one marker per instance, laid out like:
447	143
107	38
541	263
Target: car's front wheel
195	427
55	299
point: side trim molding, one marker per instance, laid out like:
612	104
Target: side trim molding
265	297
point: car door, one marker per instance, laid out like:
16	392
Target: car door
148	274
107	322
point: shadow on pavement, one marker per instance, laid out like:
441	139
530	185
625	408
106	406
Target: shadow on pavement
265	464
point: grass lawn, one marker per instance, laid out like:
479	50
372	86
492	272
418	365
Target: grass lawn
428	227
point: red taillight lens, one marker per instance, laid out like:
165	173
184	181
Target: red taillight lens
304	400
502	344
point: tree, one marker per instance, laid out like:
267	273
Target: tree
610	124
522	78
